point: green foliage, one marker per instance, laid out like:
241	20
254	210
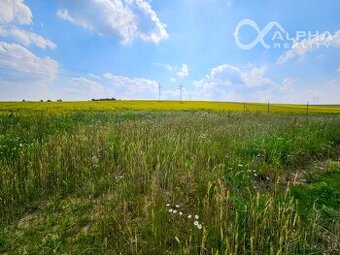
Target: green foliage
322	192
295	144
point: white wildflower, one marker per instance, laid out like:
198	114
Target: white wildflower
167	205
170	210
199	226
197	217
189	216
94	160
196	223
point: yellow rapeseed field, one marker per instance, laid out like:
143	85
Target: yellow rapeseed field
6	107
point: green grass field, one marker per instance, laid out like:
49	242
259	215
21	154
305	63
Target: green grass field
169	178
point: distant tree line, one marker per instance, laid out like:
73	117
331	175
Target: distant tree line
100	99
59	100
105	99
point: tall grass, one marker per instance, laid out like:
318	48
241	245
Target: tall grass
132	183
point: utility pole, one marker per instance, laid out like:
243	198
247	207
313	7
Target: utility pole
180	92
159	92
268	107
307	111
315	100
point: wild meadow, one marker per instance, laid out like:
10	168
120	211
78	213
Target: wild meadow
169	182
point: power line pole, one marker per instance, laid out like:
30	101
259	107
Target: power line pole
307	110
159	92
315	100
268	107
180	92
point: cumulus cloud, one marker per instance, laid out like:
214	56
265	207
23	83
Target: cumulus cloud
226	75
132	84
27	38
125	19
169	68
15	11
3	31
288	84
301	48
231	83
22	73
130	87
173	80
88	87
19	65
104	86
292	90
184	72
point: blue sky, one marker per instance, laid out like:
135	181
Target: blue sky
78	50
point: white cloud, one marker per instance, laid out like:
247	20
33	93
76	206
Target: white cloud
301	48
131	88
93	88
169	68
94	76
184	72
173	80
15	11
230	83
78	88
27	38
126	19
22	73
132	84
19	65
288	84
256	77
227	75
105	86
3	31
295	91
